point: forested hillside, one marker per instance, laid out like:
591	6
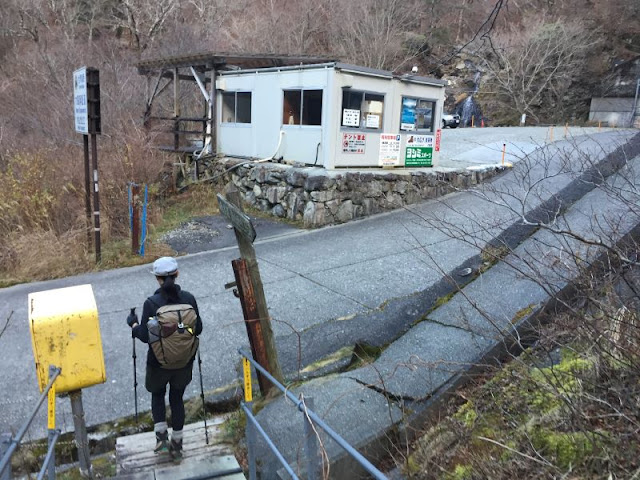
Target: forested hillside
545	58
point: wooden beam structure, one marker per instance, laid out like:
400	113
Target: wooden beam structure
206	66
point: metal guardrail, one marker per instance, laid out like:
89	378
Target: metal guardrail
9	444
311	419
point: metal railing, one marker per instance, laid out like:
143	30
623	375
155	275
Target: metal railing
311	420
9	444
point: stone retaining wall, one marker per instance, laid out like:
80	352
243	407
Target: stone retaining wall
321	197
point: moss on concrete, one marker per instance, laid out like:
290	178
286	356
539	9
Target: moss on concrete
466	414
561	448
461	472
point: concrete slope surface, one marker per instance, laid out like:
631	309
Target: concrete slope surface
461	333
486	310
368	280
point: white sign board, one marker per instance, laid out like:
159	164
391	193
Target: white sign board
350	118
373	121
80	108
353	142
389	155
419	151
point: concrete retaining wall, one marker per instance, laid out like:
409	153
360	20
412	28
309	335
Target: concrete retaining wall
321	197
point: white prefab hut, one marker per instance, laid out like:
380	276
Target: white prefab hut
309	111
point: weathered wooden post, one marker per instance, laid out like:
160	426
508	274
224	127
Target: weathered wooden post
251	316
254	307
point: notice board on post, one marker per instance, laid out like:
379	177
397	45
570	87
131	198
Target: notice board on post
86	100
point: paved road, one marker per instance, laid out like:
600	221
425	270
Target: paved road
312	280
463	147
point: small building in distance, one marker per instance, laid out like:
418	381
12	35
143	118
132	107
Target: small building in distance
302	110
614	111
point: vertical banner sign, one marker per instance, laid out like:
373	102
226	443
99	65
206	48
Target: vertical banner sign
389	155
51	410
419	151
80	107
438	138
246	368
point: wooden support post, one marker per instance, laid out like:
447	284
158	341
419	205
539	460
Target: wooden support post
251	319
248	253
87	188
135	219
176	109
80	427
212	113
96	197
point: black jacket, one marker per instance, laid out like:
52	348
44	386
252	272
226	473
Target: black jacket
151	306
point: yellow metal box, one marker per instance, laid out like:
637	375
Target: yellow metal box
65	332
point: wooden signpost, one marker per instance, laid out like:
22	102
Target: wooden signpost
250	291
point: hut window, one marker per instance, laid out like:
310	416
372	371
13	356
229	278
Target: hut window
417	114
302	107
362	110
236	107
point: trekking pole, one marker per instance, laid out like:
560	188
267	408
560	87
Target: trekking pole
135	379
135	375
204	411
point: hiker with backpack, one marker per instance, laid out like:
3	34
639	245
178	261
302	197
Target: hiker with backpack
170	325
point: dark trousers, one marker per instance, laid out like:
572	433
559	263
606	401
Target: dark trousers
156	381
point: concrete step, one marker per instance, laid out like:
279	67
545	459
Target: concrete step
136	460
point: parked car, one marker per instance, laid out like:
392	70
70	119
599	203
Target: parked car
451	120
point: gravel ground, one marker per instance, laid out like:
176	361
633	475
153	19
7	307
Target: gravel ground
214	232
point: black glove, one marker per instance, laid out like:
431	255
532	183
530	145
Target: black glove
132	318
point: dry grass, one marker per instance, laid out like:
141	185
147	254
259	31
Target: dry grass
43	254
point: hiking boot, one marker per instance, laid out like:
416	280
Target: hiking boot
162	442
175	448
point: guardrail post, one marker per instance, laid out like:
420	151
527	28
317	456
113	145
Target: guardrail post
5	441
51	468
250	435
314	471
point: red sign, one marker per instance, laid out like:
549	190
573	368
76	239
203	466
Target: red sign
438	136
353	142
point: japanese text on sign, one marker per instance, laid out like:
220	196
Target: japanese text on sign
80	108
389	155
419	151
373	121
246	368
353	142
350	118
